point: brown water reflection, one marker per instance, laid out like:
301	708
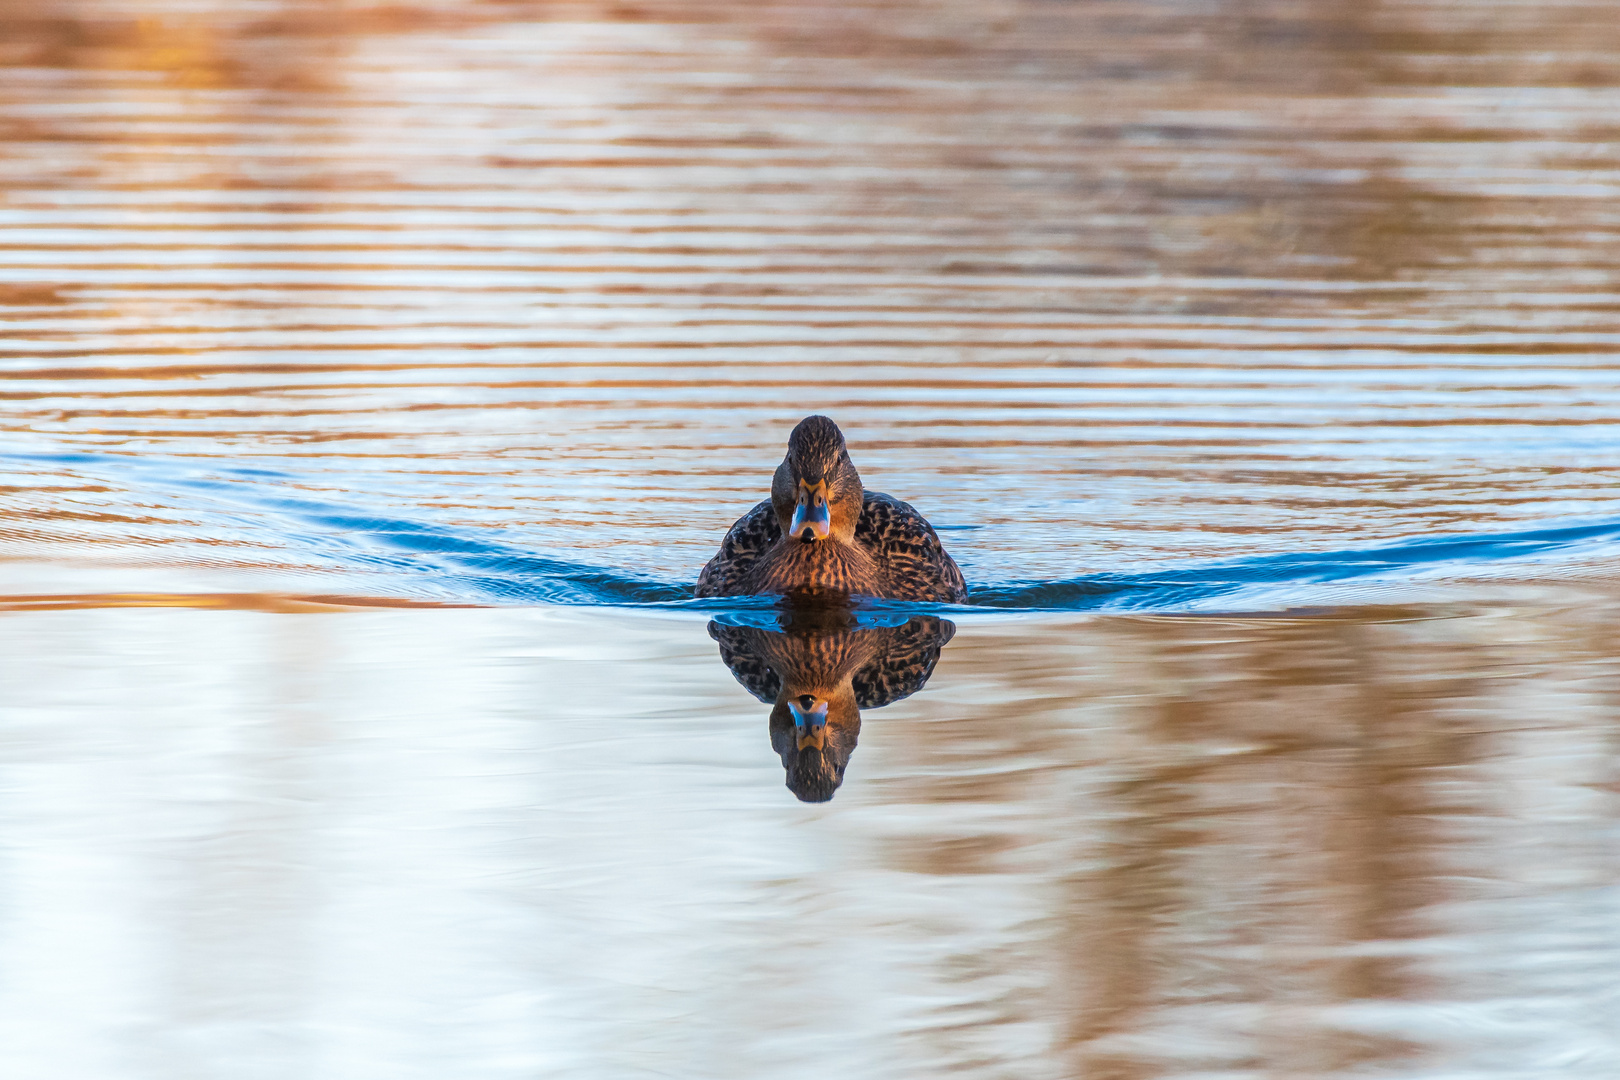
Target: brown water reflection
536	842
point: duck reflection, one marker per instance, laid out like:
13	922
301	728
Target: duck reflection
818	669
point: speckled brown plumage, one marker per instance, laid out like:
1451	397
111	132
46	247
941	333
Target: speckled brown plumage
883	663
886	549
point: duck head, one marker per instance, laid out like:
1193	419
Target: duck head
816	491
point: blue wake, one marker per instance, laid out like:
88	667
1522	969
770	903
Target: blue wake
465	564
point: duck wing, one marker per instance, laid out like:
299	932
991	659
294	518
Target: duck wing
914	563
748	539
901	669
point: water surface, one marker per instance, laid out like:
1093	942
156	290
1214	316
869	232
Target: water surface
1100	287
1257	362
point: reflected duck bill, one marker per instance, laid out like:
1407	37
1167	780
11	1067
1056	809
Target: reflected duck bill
817	672
809	721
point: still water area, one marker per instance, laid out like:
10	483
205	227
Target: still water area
375	380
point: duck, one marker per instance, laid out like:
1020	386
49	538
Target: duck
822	535
818	671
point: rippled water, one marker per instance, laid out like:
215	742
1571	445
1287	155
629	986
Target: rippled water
1264	355
1100	287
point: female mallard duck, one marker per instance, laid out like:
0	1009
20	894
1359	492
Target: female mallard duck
821	533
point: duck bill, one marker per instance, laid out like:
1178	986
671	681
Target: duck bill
811	518
810	725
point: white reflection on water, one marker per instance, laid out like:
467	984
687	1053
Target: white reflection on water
517	843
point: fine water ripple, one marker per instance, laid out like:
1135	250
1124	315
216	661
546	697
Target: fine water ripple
1243	310
447	563
1097	289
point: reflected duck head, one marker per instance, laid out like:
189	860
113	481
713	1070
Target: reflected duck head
814	731
816	491
818	670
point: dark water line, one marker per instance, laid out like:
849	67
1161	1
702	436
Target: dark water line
460	564
1174	589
